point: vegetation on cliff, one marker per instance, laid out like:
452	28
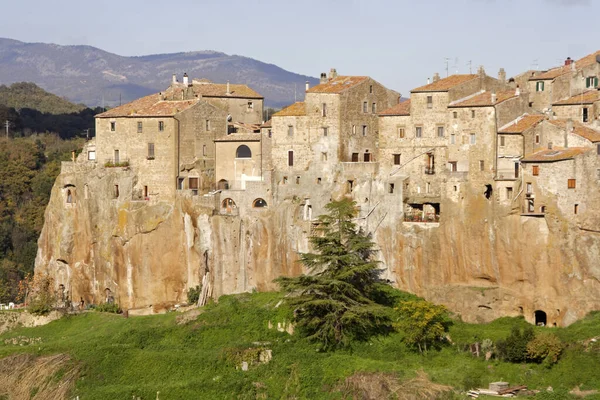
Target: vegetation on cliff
202	355
29	95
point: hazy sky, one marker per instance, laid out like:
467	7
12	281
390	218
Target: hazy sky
399	43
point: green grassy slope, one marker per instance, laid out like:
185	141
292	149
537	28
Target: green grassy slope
139	356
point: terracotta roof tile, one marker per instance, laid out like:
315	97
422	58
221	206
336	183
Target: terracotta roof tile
521	124
588	97
267	124
240	137
337	84
149	106
555	154
295	110
220	90
484	99
579	129
558	71
399	109
443	85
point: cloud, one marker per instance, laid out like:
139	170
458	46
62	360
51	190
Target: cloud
570	3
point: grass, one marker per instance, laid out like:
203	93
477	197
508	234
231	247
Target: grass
125	357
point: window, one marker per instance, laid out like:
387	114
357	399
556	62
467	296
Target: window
429	101
161	126
297	180
250	106
354	157
428	187
455	115
502	141
150	151
370	88
535	170
418	131
318	181
324	110
69	196
529	188
324	156
208	124
180	183
440	131
365	105
472	113
145	192
364	130
354	129
193	185
509	193
453	165
270	133
591	82
113	126
243	151
116	191
575	208
401	133
396	159
391	188
350	186
204	150
259	203
481	165
584	114
117	159
367	156
537	139
571	184
539	86
92	155
139	127
290	130
284	181
290	158
473	139
374	108
453	139
325	131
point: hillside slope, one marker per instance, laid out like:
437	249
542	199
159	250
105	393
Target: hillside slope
29	95
92	76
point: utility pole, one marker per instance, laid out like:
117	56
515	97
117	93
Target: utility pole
7	125
87	134
470	67
446	61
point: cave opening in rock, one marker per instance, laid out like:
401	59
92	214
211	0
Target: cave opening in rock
540	318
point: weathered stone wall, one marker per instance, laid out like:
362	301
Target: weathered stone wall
239	108
236	170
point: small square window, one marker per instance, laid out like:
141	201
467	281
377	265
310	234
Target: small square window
150	151
453	165
91	155
396	159
502	141
208	124
575	208
440	131
370	88
453	139
481	165
455	115
429	101
325	131
204	150
318	181
285	179
391	188
113	126
324	110
537	139
473	139
509	193
401	133
472	113
539	86
290	130
535	170
161	126
250	105
418	131
139	127
374	108
571	184
365	106
297	180
364	130
354	157
324	156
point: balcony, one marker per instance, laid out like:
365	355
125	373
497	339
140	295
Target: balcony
429	170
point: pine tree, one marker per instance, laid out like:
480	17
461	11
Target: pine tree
343	298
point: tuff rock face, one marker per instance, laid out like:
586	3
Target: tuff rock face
481	261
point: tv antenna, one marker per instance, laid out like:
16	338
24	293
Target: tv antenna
470	64
446	62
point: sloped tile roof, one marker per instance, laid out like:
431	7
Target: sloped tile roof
558	71
149	106
295	110
521	124
579	129
588	97
445	84
220	90
337	84
399	109
267	124
484	99
555	154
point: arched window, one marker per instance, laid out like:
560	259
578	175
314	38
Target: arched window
223	185
69	196
243	152
228	205
259	203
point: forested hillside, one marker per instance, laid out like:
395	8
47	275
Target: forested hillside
29	95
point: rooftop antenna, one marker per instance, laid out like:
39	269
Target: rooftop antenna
470	64
446	62
455	66
535	64
294	92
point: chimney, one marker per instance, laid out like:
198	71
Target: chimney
568	61
436	77
174	81
517	91
428	81
307	86
332	74
228	91
186	80
323	78
494	98
502	75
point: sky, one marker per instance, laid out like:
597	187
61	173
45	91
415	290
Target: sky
399	43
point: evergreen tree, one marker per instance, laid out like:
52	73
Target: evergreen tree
343	299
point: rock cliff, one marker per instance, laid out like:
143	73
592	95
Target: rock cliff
481	260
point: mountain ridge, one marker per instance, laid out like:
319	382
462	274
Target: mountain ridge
93	76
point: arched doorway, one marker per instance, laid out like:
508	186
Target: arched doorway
540	318
228	205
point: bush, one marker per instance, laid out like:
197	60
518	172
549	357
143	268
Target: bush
109	308
193	294
424	324
514	347
39	294
545	348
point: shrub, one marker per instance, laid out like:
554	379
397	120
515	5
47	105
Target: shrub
545	348
424	324
39	294
193	294
514	347
109	308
